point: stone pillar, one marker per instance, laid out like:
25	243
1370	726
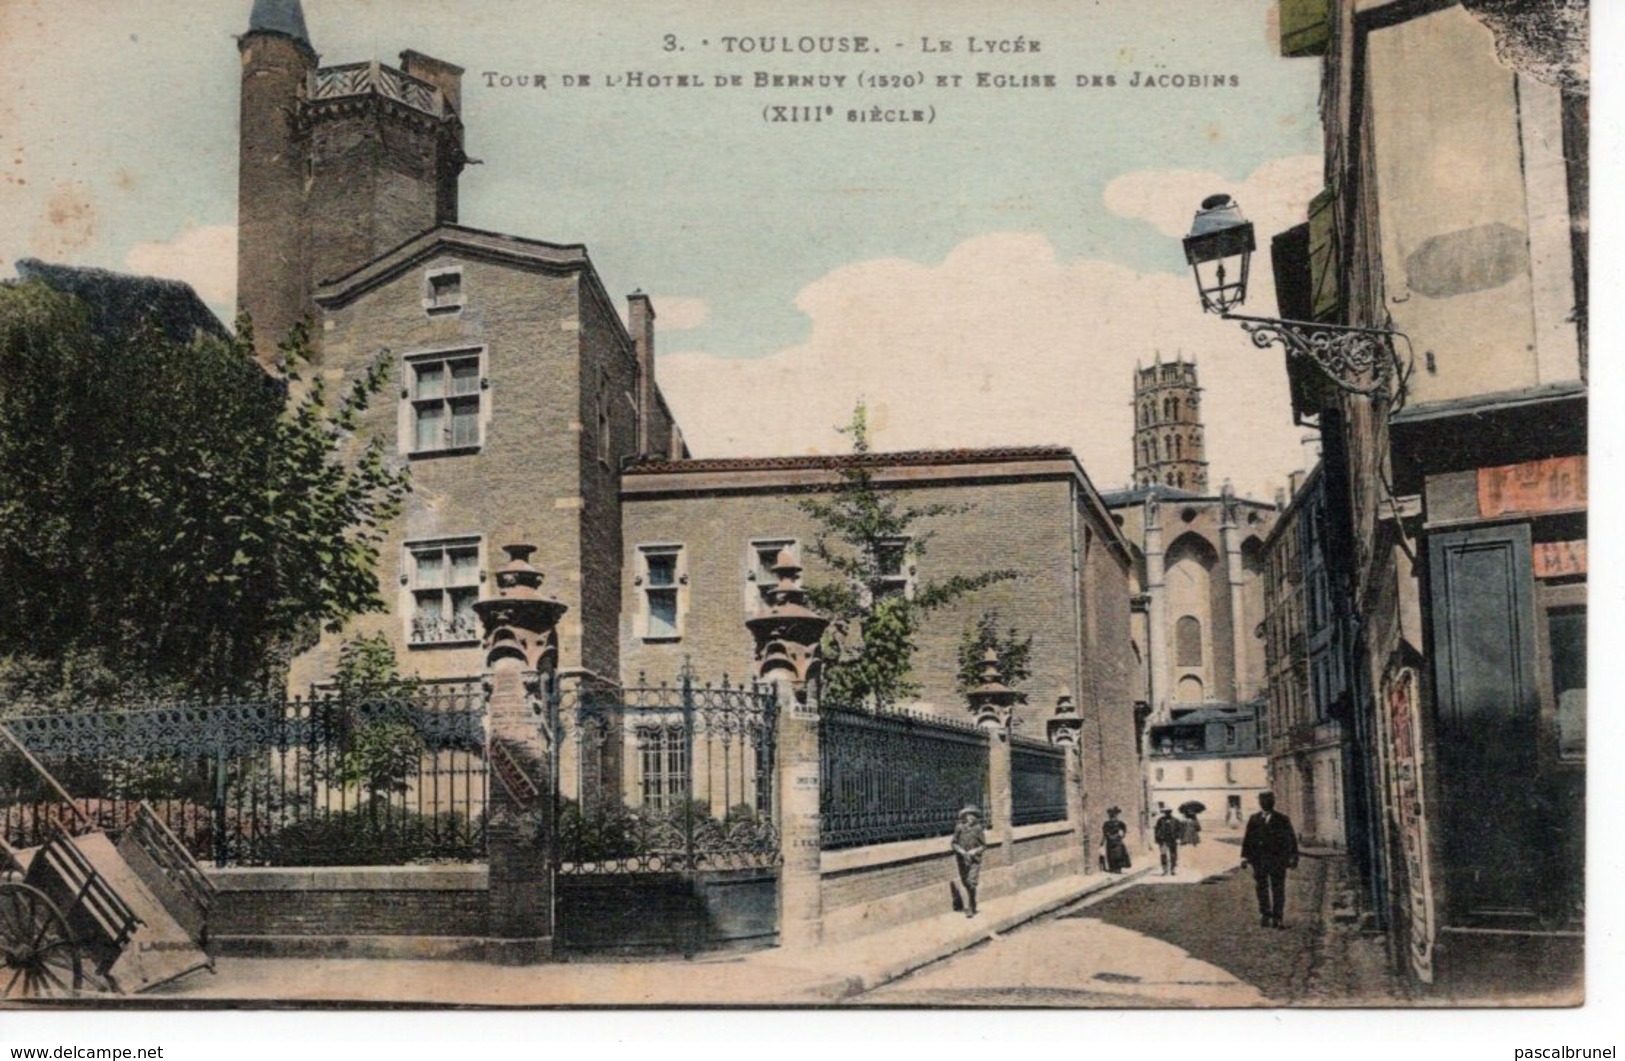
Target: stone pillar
787	636
1230	540
801	884
1157	640
1066	732
993	705
521	654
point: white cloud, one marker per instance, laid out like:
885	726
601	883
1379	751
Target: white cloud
1275	196
205	257
1002	343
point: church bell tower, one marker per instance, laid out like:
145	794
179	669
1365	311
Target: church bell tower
1168	445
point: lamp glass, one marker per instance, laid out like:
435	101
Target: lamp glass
1219	249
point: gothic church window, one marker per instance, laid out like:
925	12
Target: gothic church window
1188	641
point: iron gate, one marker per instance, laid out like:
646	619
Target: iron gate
664	778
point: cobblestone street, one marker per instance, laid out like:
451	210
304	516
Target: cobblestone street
1191	940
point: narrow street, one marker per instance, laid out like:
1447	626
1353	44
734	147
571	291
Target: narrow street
1189	940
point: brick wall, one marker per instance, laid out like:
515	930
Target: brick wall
876	888
1110	758
273	272
348	903
524	483
375	181
609	375
1025	526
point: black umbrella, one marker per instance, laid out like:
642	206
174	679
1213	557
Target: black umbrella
1192	807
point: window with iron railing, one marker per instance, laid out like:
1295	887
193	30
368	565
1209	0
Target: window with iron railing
444	580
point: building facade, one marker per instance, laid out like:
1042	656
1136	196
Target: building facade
527	411
1305	655
1462	486
1198	583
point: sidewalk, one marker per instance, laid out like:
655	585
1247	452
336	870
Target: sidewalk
776	976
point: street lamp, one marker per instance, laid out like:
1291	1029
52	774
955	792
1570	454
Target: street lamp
1219	250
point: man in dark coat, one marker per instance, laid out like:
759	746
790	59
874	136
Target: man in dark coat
1167	833
1270	847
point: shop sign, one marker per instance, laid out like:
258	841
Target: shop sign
1558	559
1556	485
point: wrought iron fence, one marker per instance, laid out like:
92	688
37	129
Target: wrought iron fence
665	778
896	775
1037	782
381	780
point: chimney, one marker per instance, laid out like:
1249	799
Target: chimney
640	321
1295	481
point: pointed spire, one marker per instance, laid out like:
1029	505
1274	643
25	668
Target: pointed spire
285	17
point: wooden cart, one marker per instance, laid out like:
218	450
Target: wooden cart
86	912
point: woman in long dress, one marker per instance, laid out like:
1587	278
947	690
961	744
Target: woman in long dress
1113	833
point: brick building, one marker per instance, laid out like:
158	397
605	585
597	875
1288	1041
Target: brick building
700	536
527	411
1458	487
1309	697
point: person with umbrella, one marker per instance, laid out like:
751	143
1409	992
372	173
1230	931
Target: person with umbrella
1113	833
1190	830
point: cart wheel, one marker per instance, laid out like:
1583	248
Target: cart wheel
38	958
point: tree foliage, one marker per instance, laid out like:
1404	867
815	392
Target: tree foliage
173	519
383	747
864	534
1014	652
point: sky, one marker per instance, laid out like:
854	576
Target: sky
988	277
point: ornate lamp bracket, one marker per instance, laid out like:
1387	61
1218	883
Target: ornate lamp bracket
1355	360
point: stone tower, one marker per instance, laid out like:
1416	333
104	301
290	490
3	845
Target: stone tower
336	165
1168	445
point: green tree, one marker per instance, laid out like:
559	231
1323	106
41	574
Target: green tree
173	519
383	747
1014	651
865	537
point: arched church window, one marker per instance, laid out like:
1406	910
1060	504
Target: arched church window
1188	641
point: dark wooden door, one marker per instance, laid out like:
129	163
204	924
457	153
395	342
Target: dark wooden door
1488	725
